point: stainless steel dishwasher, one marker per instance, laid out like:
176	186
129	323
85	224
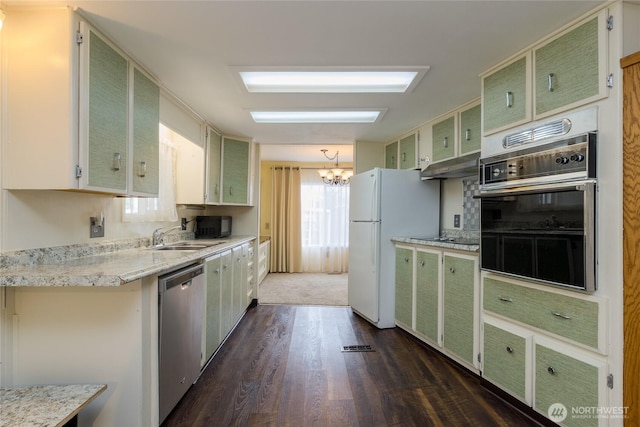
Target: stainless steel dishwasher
180	311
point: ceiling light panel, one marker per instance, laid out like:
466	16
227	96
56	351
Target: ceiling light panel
355	116
333	81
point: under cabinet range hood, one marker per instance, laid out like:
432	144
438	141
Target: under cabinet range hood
458	167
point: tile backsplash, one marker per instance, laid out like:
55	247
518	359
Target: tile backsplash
471	206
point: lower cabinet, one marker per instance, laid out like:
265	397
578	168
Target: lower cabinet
227	295
561	374
437	299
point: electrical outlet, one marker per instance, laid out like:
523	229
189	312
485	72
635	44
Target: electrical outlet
456	221
96	226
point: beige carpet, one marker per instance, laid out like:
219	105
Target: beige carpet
304	289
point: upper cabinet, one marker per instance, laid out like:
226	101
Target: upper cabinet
214	150
562	72
443	139
97	113
236	167
402	154
470	131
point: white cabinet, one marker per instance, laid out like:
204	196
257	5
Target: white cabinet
264	260
97	112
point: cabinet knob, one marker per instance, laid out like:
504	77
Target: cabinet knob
117	161
452	270
217	270
406	260
551	370
509	349
421	263
509	96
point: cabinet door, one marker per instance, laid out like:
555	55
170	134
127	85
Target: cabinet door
226	294
212	316
146	121
404	286
443	139
214	150
504	360
408	152
567	69
470	130
504	96
235	171
391	156
570	381
108	110
239	283
459	282
427	280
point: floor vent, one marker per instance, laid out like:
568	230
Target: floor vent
356	348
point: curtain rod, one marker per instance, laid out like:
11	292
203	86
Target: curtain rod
293	167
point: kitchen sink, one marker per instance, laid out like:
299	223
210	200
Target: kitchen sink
186	246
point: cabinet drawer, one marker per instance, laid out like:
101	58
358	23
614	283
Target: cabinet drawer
569	317
560	378
504	359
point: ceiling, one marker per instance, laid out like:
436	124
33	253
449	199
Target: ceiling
193	46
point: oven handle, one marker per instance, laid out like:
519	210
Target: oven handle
533	189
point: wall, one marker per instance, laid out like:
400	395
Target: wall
368	155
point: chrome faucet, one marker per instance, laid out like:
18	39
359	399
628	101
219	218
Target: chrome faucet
158	234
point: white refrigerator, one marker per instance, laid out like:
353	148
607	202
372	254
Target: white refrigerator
385	203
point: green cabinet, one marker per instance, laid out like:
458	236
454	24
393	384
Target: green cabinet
212	328
470	130
226	293
443	139
236	160
572	382
505	359
408	151
459	307
146	118
404	286
391	155
505	96
427	290
212	169
107	94
567	69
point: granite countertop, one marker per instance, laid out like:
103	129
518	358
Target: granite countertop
45	405
467	245
108	264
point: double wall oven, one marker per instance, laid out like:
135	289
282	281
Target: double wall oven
538	203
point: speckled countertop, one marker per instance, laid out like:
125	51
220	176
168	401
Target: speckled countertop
468	245
104	264
44	405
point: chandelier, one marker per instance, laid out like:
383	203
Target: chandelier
335	176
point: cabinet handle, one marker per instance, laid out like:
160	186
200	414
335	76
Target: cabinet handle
550	82
560	315
505	299
404	157
509	99
551	370
406	260
217	189
467	134
452	270
117	161
231	190
445	142
217	270
509	349
142	171
421	263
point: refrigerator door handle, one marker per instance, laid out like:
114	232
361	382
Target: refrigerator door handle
372	244
374	198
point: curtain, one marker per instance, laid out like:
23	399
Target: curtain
285	221
325	225
162	208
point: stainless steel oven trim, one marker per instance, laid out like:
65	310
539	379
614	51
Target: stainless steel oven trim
589	187
555	186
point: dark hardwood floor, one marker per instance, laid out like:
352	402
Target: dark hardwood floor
284	366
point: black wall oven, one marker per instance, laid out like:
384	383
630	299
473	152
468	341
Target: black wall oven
538	213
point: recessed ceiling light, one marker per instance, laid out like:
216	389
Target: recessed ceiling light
331	81
324	116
